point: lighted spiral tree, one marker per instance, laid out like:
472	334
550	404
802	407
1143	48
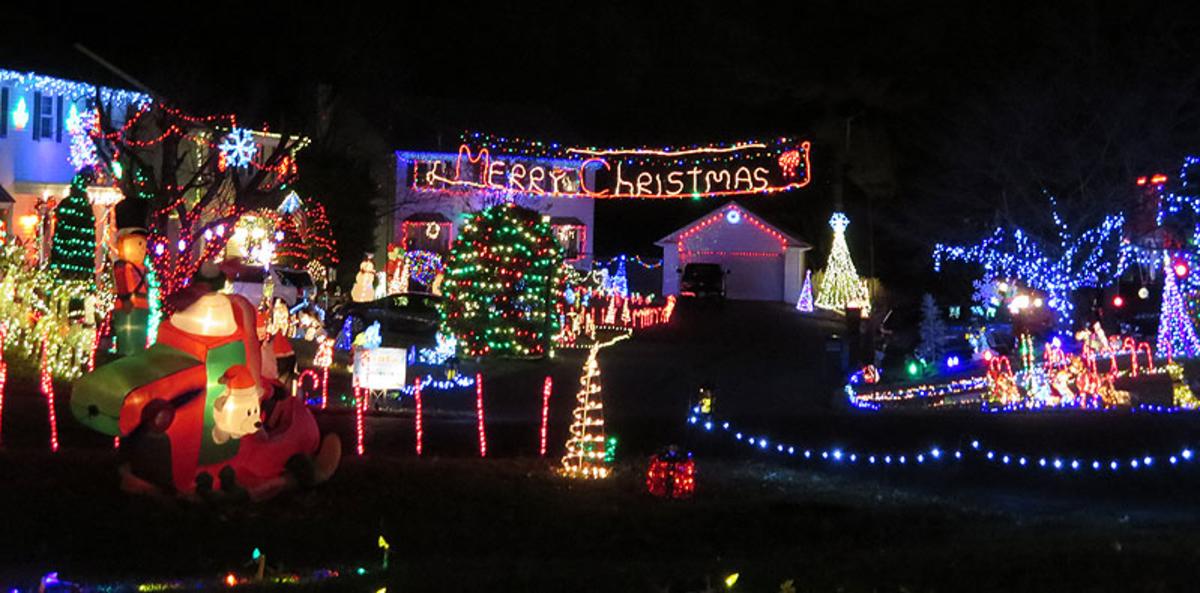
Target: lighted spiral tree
73	246
504	284
1058	268
586	447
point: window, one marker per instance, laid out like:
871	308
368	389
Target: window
4	115
426	235
571	239
46	117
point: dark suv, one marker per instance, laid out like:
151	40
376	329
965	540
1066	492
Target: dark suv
702	280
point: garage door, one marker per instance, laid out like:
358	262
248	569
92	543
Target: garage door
754	278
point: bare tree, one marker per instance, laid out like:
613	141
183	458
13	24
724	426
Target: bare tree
172	164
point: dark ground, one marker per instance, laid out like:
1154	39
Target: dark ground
506	523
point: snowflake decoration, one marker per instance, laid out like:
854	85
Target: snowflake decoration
238	148
839	222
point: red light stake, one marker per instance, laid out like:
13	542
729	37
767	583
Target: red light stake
479	414
546	388
417	416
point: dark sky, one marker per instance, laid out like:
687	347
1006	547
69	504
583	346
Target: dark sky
919	82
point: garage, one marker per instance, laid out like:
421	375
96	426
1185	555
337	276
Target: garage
761	262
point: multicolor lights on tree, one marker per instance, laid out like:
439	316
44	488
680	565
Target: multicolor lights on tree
504	284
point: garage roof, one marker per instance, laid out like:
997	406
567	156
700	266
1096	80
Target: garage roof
791	240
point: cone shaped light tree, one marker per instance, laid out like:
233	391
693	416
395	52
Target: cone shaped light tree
1176	334
585	456
805	303
841	285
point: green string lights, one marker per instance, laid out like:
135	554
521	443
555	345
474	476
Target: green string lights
504	284
73	247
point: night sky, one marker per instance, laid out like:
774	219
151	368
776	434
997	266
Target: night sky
943	117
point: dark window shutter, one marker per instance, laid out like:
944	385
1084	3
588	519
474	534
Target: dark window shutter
58	122
4	112
36	112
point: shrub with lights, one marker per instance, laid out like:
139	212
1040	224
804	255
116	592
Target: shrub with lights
504	284
73	246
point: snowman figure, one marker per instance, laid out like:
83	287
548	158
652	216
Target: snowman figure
364	282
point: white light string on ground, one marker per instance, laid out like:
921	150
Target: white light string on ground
935	455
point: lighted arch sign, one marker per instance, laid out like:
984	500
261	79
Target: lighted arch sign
745	168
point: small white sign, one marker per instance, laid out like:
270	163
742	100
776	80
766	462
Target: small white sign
380	368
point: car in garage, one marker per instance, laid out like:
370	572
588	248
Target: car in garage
702	280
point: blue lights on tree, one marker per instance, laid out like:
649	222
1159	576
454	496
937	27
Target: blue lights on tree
1092	258
1176	334
618	282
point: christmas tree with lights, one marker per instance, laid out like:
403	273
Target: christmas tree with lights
841	286
504	284
1176	334
73	246
805	303
586	447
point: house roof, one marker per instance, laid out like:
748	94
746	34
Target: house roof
5	197
790	239
565	221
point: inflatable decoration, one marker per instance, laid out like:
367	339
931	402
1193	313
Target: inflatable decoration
196	416
132	310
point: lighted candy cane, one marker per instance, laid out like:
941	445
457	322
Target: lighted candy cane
994	367
360	408
324	359
47	389
1131	347
417	416
479	414
546	388
1149	354
298	387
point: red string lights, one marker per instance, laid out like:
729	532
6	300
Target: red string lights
360	409
46	384
479	414
671	475
547	386
417	416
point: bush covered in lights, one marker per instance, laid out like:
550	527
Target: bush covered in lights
73	245
504	283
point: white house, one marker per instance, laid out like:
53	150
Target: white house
435	189
36	160
763	262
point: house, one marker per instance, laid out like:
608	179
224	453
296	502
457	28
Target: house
435	189
764	263
39	125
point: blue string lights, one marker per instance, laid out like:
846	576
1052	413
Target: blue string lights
1090	259
1176	334
936	456
25	82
